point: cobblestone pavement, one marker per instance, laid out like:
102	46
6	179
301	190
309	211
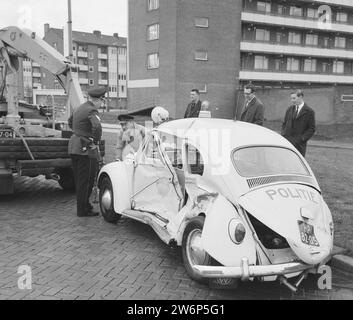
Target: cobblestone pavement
74	258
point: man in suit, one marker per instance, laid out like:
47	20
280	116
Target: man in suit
253	110
87	132
194	107
299	123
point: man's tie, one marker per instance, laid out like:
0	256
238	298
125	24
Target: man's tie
296	112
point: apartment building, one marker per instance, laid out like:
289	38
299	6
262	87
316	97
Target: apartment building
102	61
218	46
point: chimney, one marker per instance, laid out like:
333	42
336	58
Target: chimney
97	33
46	29
116	35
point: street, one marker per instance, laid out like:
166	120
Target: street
73	258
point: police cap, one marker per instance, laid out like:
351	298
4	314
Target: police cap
97	92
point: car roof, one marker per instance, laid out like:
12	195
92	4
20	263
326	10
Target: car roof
240	133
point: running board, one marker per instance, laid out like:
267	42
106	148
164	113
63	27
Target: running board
159	226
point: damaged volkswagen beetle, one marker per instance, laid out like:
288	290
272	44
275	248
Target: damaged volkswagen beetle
238	198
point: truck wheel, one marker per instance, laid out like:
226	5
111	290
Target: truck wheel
106	201
66	181
193	253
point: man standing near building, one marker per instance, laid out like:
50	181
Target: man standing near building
299	123
253	111
87	132
194	107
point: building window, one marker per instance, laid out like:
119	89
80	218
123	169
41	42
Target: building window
326	42
91	82
264	6
201	55
122	89
278	64
261	62
90	55
325	67
310	65
153	61
280	9
278	37
91	69
312	13
152	5
296	11
341	16
202	22
292	64
338	67
294	38
311	39
262	35
340	42
153	32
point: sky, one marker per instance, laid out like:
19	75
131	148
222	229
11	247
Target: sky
108	16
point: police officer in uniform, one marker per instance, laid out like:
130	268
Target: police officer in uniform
87	132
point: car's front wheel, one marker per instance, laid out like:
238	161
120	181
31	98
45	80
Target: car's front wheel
192	249
106	201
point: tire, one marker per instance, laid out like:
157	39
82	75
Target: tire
106	201
66	181
191	234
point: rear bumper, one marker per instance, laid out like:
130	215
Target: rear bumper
246	272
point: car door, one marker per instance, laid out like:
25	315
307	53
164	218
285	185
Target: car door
154	181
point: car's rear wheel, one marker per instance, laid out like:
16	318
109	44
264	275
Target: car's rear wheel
192	250
106	201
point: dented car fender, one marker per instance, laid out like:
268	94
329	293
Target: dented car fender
120	175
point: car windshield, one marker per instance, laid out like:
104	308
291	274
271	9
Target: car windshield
266	161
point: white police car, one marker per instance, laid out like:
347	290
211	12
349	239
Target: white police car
238	198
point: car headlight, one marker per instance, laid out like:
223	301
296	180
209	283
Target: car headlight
236	231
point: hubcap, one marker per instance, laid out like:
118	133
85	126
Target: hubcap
107	199
194	249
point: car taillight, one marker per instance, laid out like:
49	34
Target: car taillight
237	231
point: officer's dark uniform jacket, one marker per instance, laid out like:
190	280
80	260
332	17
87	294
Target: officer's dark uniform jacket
85	123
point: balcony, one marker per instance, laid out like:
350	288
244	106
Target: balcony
82	54
83	81
103	82
103	56
272	19
287	76
36	75
296	50
345	3
102	69
83	67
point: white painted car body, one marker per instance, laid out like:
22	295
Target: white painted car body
159	187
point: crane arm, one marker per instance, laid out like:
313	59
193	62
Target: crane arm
15	43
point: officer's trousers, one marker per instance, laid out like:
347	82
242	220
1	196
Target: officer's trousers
85	171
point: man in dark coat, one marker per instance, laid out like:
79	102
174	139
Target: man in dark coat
194	107
87	132
299	123
253	110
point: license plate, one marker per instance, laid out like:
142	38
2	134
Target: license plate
307	234
6	134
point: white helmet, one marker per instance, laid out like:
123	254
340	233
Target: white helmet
159	115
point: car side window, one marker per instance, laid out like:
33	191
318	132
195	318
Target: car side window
172	148
151	149
195	160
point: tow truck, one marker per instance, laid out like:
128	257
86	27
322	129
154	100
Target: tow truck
29	147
